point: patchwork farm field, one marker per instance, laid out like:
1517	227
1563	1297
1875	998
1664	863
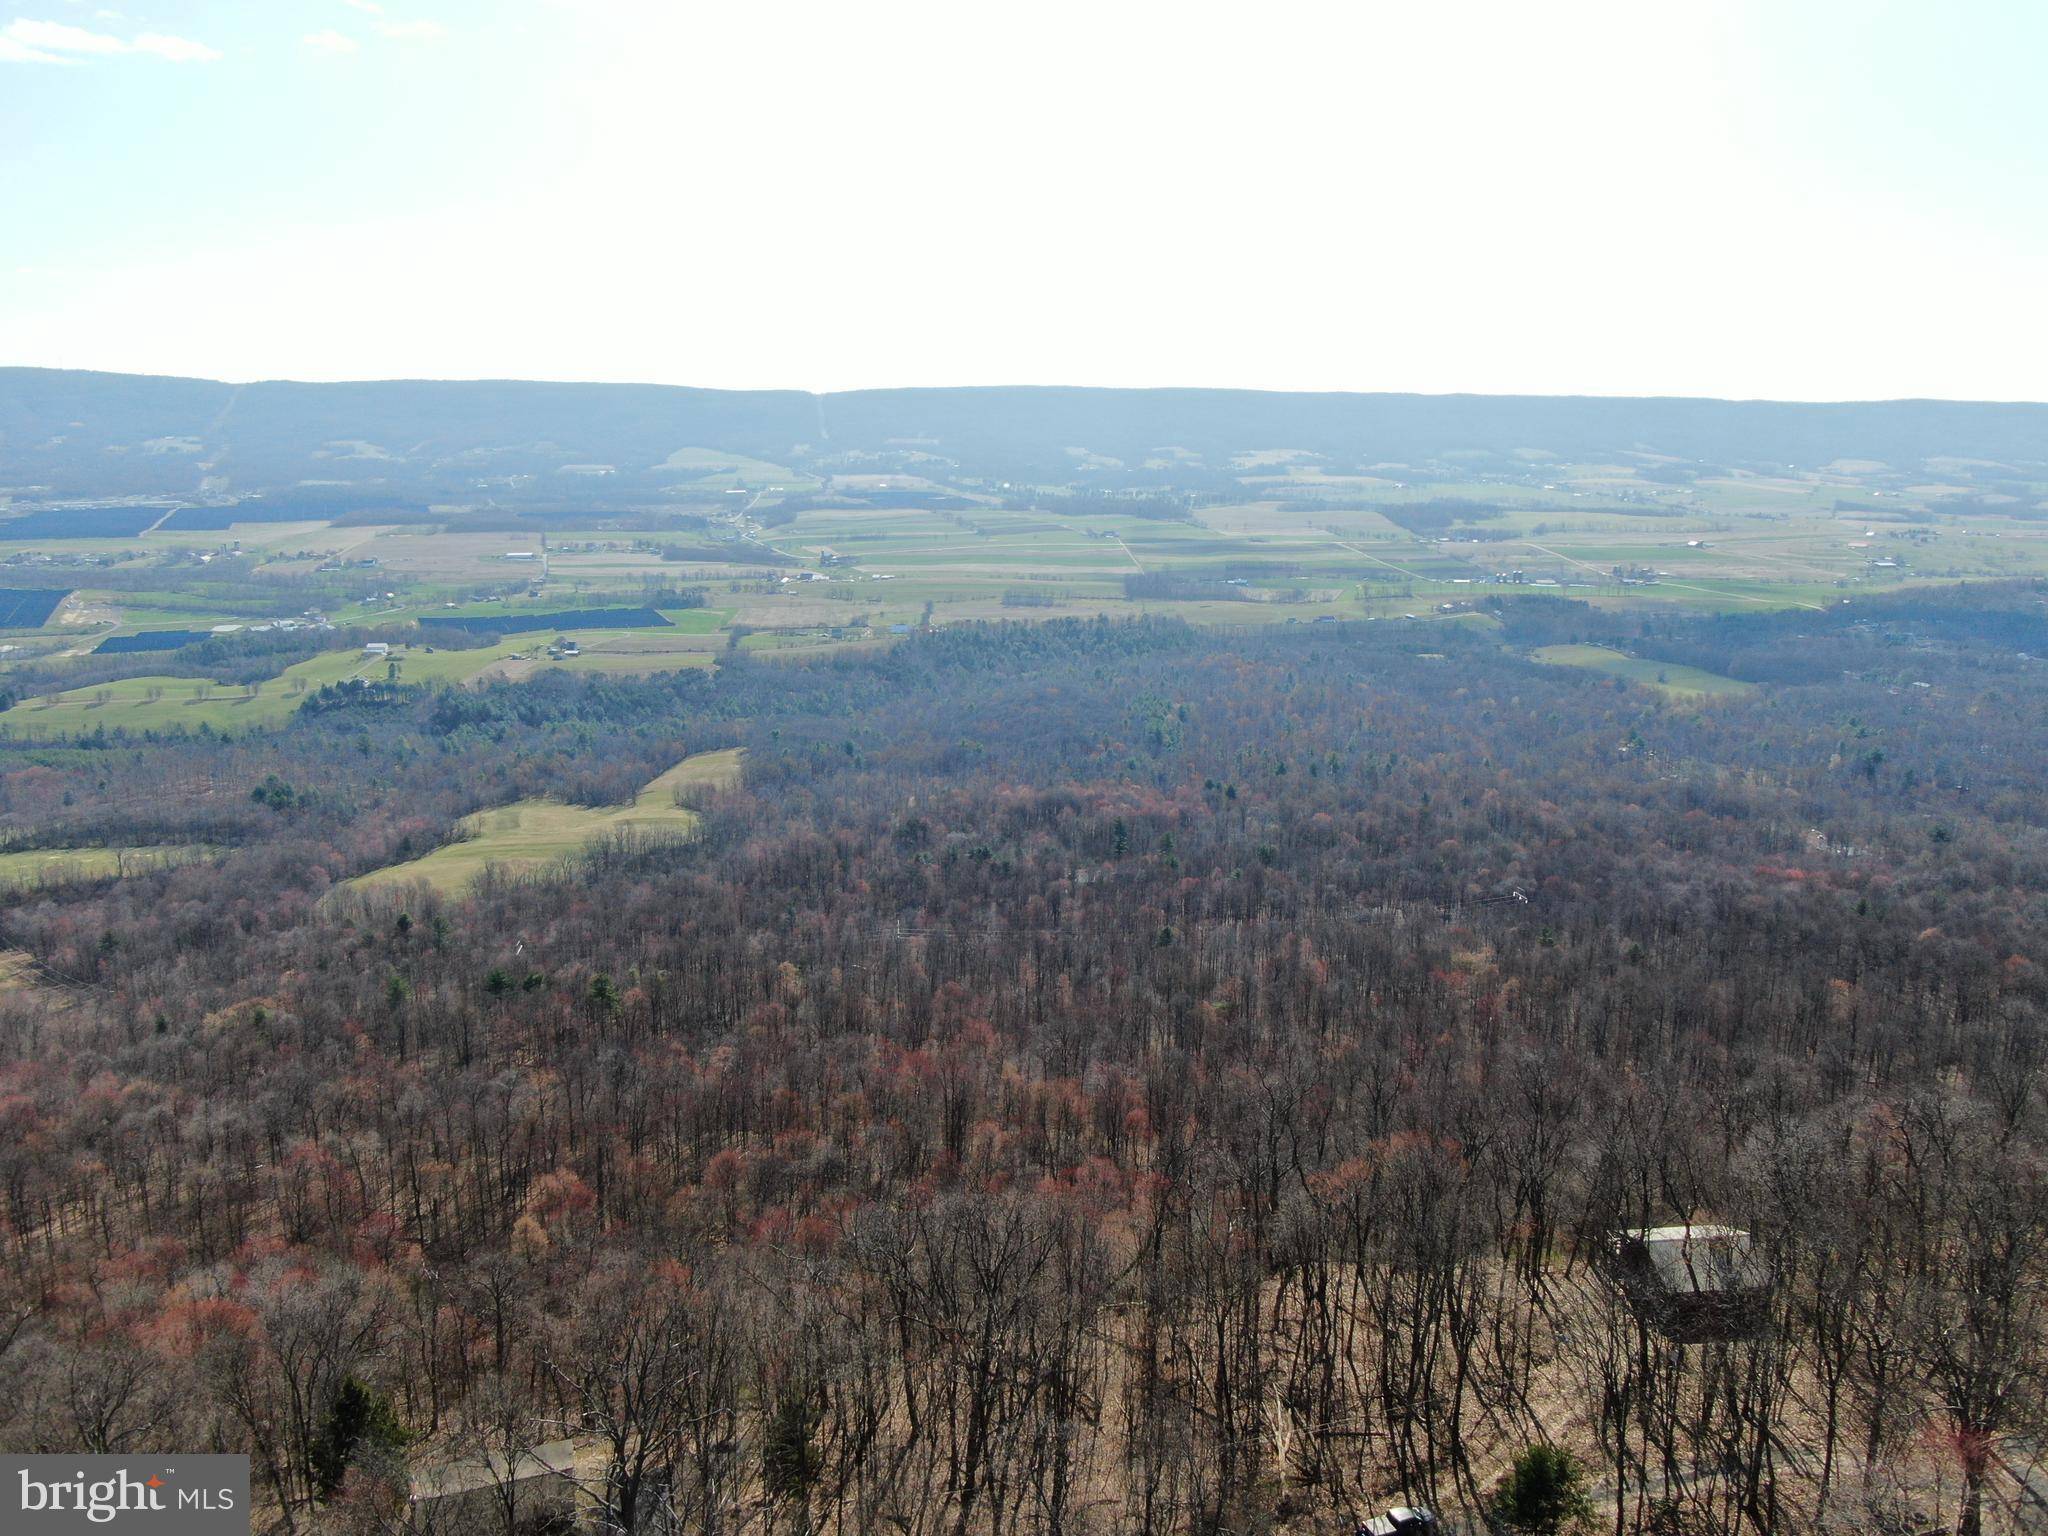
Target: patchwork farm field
532	834
794	562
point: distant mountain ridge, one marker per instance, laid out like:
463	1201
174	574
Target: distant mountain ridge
82	433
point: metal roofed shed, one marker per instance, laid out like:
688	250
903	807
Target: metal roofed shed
1401	1522
539	1484
1693	1282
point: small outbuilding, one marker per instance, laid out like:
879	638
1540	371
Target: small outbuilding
1694	1283
536	1490
1404	1521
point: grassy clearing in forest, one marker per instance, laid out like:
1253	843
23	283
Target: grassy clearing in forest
167	703
151	703
62	866
1680	682
532	834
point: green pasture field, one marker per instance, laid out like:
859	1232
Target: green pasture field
729	468
533	834
429	554
694	621
623	663
276	546
166	703
1679	682
601	567
39	867
314	536
151	703
1715	595
611	652
158	610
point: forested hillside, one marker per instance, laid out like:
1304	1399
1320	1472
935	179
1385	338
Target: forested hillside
93	433
1086	1077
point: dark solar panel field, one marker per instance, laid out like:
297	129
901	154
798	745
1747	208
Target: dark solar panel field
29	607
150	640
526	623
79	523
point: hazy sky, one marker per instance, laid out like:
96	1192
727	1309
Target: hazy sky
1793	198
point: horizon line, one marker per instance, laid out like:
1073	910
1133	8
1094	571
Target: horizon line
871	389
